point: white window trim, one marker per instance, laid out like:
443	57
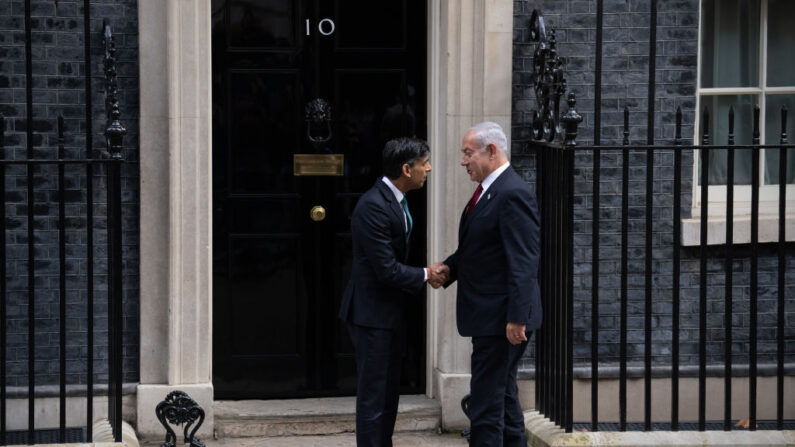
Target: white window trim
768	194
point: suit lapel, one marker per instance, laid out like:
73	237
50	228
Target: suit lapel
392	203
483	203
461	223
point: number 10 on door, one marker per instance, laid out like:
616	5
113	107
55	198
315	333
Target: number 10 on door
325	27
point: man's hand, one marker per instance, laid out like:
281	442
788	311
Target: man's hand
439	274
514	332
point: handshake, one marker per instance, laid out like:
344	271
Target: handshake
438	274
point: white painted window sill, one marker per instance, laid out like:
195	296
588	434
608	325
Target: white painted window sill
716	229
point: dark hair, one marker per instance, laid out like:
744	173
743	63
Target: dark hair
401	151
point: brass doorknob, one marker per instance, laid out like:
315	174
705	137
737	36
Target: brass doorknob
317	213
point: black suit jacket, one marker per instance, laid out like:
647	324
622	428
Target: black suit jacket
380	281
496	263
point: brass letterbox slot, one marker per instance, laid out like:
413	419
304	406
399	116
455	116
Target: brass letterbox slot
318	164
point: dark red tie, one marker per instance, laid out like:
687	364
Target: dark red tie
474	199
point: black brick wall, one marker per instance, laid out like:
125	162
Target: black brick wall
625	67
59	89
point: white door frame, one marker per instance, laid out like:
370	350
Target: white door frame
469	80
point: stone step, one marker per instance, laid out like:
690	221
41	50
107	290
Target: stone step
403	439
321	416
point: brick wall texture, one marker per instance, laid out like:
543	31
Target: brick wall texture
59	90
624	79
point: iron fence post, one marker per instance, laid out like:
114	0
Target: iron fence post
114	135
782	269
571	121
2	283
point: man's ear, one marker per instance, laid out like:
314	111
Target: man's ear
491	149
406	170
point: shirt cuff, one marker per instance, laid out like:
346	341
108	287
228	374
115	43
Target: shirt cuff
425	274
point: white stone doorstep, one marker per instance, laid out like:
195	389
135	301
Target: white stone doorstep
543	433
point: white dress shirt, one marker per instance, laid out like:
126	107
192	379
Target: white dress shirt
491	177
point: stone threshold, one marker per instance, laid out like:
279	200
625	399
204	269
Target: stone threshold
315	416
543	433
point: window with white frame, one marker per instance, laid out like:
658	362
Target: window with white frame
746	58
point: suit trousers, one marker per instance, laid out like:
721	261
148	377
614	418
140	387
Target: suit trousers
378	354
494	410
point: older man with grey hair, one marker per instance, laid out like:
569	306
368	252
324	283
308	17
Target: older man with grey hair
498	300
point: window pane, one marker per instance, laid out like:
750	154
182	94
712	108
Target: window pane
719	135
773	136
730	43
780	41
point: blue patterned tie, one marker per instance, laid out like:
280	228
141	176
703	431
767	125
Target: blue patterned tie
409	221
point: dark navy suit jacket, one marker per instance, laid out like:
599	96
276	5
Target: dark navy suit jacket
496	263
380	281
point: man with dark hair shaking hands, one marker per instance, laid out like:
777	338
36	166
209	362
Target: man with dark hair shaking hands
381	283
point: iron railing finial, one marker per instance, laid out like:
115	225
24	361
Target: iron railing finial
115	131
571	120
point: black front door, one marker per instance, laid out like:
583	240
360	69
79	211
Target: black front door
286	177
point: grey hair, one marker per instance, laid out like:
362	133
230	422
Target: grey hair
489	132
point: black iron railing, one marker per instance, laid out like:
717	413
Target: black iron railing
555	189
566	194
554	341
75	190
